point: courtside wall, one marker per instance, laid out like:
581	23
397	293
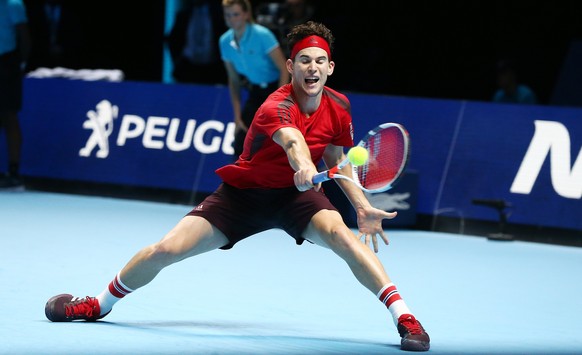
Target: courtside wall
175	136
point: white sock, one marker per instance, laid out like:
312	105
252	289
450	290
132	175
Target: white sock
115	291
391	298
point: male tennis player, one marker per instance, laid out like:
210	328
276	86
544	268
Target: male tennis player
270	186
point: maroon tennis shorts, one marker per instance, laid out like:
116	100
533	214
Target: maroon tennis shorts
240	213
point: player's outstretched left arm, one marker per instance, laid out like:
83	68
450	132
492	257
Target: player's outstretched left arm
370	224
369	218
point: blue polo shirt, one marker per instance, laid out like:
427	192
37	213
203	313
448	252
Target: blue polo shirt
12	13
251	56
523	95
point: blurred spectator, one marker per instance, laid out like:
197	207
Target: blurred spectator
510	90
281	17
14	50
193	43
57	34
253	58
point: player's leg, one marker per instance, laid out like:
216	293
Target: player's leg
328	229
193	235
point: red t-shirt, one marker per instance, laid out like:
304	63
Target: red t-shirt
264	163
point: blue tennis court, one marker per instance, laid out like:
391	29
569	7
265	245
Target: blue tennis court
269	296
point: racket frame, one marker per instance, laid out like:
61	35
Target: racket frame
332	173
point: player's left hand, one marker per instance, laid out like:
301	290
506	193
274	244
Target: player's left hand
370	225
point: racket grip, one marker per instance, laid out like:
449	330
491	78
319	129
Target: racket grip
321	177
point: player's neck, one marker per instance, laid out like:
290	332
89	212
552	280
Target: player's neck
308	105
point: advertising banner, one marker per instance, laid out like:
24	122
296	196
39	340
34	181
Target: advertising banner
530	156
143	134
175	136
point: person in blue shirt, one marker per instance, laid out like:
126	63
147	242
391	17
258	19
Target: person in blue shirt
253	58
509	89
193	43
14	49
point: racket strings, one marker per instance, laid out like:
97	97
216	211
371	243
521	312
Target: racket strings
387	154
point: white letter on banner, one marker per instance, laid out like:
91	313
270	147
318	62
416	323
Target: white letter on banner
126	131
173	132
550	137
228	139
152	131
199	137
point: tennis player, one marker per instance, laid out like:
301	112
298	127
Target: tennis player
270	186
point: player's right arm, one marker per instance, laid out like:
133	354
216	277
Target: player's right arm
293	142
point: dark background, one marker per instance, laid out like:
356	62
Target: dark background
436	49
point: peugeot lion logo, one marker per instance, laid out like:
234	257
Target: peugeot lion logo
101	122
389	202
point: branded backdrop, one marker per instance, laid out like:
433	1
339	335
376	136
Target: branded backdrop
175	136
143	134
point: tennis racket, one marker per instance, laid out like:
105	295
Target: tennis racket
388	146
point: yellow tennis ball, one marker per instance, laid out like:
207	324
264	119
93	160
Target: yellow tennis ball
358	155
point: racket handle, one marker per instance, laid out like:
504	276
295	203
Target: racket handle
321	177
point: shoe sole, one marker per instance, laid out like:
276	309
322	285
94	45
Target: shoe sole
414	345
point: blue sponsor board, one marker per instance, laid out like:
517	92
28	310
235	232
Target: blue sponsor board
471	150
143	134
175	136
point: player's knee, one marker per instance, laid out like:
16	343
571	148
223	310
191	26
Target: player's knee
163	254
342	239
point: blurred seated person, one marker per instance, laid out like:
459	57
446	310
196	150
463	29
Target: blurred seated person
58	34
297	12
193	43
281	17
510	90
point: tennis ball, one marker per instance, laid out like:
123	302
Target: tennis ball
358	155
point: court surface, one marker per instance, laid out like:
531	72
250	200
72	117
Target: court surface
269	296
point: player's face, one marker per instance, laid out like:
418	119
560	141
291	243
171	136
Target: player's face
235	17
310	70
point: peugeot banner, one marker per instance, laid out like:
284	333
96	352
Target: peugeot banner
175	136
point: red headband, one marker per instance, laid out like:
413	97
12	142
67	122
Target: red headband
311	41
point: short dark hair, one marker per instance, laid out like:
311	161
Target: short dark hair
307	29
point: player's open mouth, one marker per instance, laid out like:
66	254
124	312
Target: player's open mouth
311	80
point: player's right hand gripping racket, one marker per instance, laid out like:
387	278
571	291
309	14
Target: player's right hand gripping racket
388	146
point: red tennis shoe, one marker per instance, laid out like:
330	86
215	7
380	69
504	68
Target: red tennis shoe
414	338
66	308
